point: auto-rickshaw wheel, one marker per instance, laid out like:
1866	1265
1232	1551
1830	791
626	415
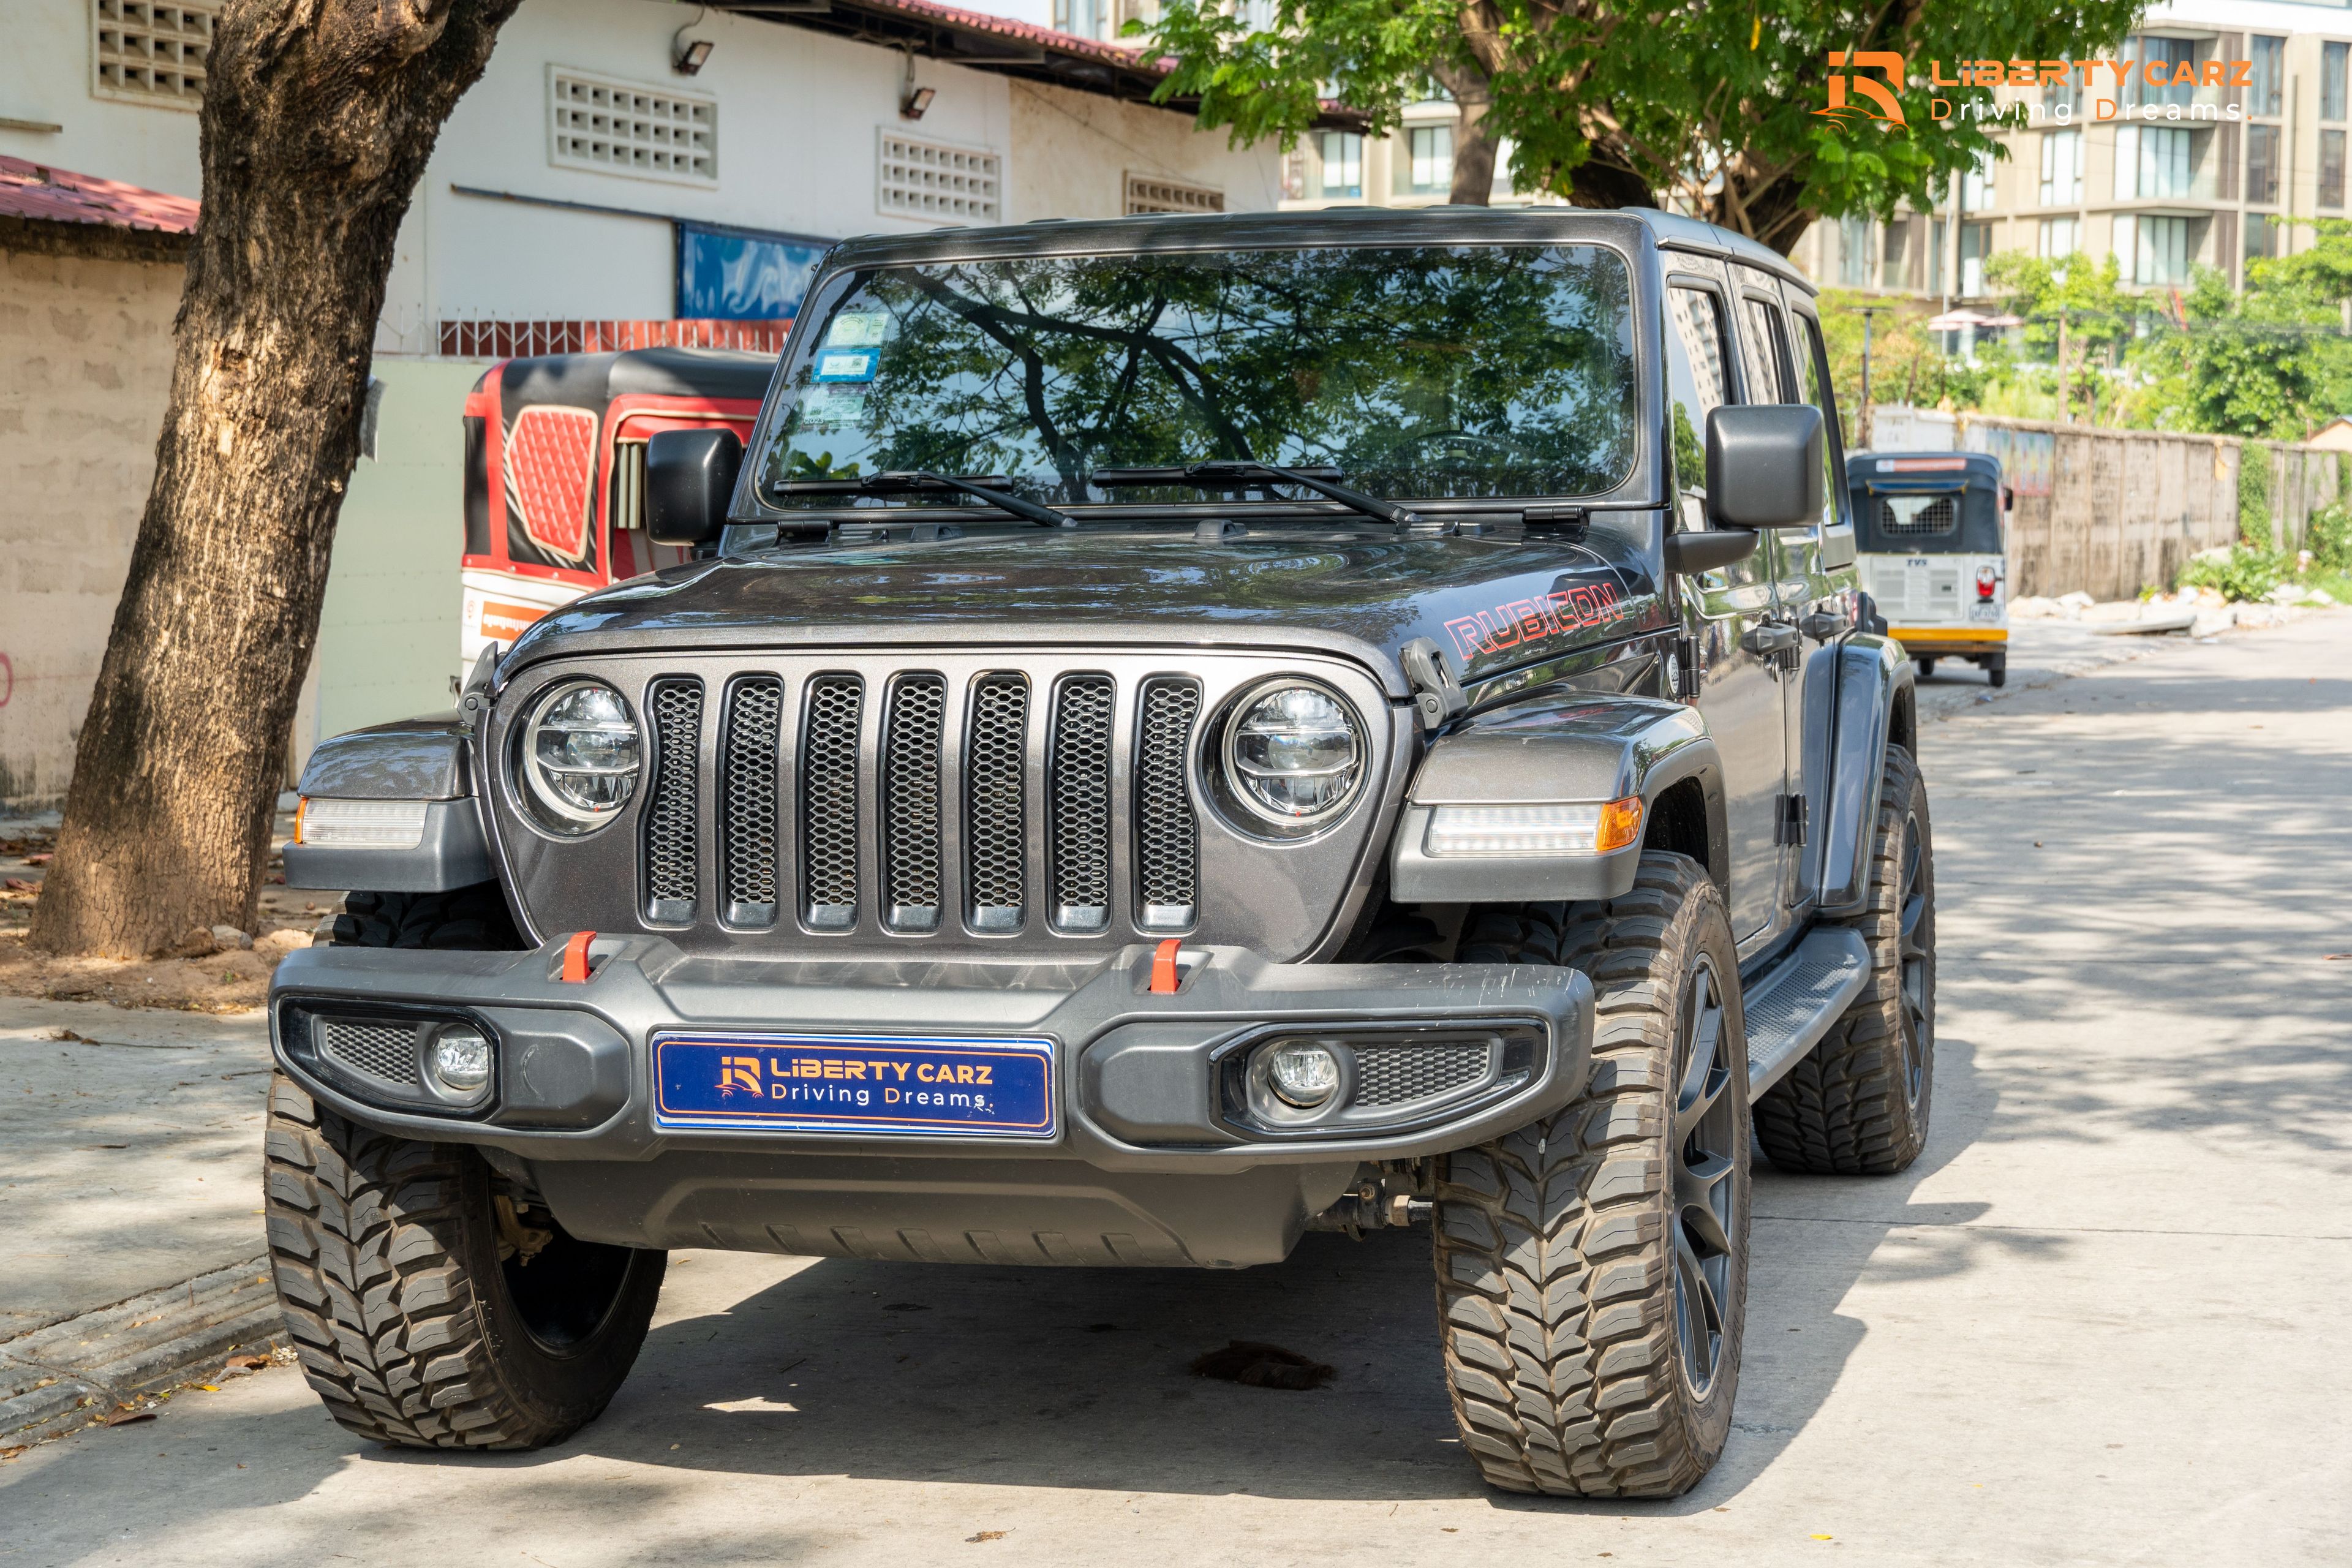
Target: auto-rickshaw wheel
1926	668
1997	670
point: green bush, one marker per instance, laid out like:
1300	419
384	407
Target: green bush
2254	496
2244	574
2328	536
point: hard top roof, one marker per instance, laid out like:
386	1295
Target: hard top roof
1326	226
1966	469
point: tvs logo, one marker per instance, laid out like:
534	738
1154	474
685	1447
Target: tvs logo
1888	107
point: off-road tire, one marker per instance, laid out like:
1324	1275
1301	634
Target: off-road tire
385	1252
1858	1102
473	919
1557	1246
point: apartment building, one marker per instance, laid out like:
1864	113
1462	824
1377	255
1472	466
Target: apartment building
2163	178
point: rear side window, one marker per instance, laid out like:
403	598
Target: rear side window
1767	354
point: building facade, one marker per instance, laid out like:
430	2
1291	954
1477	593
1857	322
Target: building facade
2193	172
625	172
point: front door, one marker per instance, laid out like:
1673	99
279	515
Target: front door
1740	692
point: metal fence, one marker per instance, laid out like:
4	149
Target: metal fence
486	337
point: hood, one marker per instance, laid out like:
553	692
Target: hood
1493	604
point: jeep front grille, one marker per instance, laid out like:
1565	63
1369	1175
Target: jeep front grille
383	1050
996	761
829	797
671	841
938	790
1079	761
911	743
1167	838
748	762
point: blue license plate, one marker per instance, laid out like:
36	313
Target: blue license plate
893	1085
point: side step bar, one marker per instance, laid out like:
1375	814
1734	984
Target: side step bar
1792	1005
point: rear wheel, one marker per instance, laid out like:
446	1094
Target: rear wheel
1592	1269
1926	668
1997	670
1857	1103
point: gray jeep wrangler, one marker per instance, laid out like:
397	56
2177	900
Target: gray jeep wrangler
1182	731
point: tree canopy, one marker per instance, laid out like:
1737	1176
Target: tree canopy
1613	104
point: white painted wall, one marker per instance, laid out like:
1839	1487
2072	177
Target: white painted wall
46	73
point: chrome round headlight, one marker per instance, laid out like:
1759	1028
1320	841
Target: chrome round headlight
581	756
1293	753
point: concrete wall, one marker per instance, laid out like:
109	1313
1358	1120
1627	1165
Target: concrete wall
85	373
1072	153
2119	510
388	631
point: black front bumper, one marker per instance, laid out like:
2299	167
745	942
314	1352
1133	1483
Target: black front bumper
1154	1159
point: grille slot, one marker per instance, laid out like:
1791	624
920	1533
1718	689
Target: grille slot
1077	770
672	837
1398	1075
996	764
383	1050
911	741
748	791
1167	833
829	791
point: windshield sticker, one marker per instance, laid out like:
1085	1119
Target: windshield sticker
833	406
1532	619
847	364
858	330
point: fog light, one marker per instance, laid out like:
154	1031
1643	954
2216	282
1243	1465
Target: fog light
461	1060
1303	1073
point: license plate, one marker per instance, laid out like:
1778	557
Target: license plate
870	1084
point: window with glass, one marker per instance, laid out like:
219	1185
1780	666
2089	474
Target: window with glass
1813	374
2262	236
1699	382
1429	159
2162	59
2267	93
1937	234
2062	168
1976	246
1343	164
2153	251
1894	258
1414	372
1976	184
2332	61
2331	168
2262	164
1767	353
2062	96
1853	252
2059	239
2167	170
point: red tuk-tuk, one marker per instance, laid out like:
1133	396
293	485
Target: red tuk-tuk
565	433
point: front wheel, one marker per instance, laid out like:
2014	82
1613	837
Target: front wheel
432	1304
1593	1269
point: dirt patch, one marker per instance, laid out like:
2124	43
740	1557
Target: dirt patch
230	980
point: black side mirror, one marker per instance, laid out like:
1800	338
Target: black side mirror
1764	465
690	477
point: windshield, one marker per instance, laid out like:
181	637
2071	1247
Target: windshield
1432	371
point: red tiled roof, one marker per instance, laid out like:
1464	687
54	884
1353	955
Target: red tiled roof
29	189
1062	43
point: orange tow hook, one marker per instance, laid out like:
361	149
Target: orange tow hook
575	957
1163	968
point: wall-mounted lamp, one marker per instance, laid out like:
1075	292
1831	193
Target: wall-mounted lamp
686	55
912	100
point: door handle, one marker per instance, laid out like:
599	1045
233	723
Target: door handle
1770	638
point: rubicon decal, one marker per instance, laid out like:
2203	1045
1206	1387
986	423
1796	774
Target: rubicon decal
1533	619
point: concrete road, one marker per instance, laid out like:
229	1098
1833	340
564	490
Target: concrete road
2101	1323
129	1136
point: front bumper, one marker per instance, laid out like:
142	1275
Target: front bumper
1153	1159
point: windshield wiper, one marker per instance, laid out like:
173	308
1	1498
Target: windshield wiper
922	479
1227	469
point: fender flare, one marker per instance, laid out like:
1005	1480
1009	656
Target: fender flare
1567	748
1849	720
425	760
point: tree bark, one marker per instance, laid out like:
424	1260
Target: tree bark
318	119
1474	146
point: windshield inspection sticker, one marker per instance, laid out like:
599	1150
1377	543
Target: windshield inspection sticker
857	330
847	364
919	1085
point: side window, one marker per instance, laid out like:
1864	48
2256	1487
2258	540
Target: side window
1699	382
1767	353
1837	506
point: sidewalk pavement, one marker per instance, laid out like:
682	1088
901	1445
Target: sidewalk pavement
130	1236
